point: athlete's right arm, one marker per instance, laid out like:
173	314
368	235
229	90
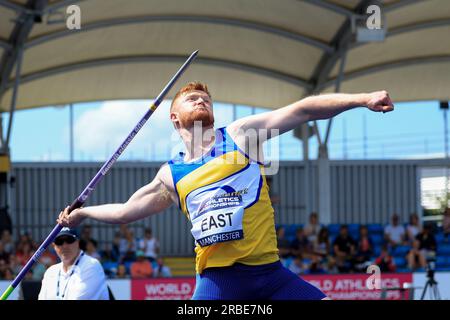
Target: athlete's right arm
150	199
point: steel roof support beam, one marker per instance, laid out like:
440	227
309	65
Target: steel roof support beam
164	58
331	6
5	44
58	5
13	6
340	42
390	65
410	28
401	3
191	19
19	34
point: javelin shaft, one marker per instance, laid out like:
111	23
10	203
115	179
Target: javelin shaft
81	199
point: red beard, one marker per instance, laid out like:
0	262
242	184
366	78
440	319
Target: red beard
187	120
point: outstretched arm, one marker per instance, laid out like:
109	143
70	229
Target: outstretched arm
314	108
150	199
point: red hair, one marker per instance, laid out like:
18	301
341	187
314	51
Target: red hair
191	86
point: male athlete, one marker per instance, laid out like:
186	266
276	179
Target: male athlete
219	184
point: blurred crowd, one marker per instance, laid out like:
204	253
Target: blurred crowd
126	257
395	247
312	248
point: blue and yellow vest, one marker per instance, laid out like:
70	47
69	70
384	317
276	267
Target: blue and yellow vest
225	196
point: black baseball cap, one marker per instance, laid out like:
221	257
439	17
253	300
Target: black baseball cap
68	232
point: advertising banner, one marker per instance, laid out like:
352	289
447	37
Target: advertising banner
162	289
354	286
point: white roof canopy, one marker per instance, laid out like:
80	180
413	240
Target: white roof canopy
261	52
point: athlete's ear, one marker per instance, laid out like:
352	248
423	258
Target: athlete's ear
175	120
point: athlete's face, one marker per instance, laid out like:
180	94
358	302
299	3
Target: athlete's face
191	107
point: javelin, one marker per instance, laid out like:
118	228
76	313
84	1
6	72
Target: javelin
81	199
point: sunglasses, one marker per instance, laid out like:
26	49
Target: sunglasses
69	240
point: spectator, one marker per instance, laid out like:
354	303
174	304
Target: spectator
446	223
394	233
322	245
9	275
121	272
38	270
300	246
296	265
108	254
8	244
24	239
141	268
127	245
284	248
3	254
86	236
385	261
364	249
3	266
316	266
47	258
424	247
115	249
24	252
322	249
150	245
161	270
14	264
344	250
313	227
413	228
91	250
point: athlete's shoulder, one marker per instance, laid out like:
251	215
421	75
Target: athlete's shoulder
164	173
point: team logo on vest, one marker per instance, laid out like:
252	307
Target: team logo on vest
217	210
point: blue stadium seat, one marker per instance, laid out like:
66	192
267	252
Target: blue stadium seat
403	269
376	250
442	262
287	261
128	265
291	229
440	238
354	235
110	267
400	251
375	228
400	262
377	239
440	269
353	228
443	249
333	228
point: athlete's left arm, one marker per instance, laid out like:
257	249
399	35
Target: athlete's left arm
313	108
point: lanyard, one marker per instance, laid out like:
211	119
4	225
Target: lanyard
71	273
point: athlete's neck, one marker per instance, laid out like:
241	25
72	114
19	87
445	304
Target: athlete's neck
198	140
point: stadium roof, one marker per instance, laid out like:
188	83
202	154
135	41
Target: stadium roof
262	52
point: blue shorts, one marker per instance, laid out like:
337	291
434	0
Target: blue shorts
264	282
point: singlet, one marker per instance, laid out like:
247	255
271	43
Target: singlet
226	197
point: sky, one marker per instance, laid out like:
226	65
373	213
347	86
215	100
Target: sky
413	130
